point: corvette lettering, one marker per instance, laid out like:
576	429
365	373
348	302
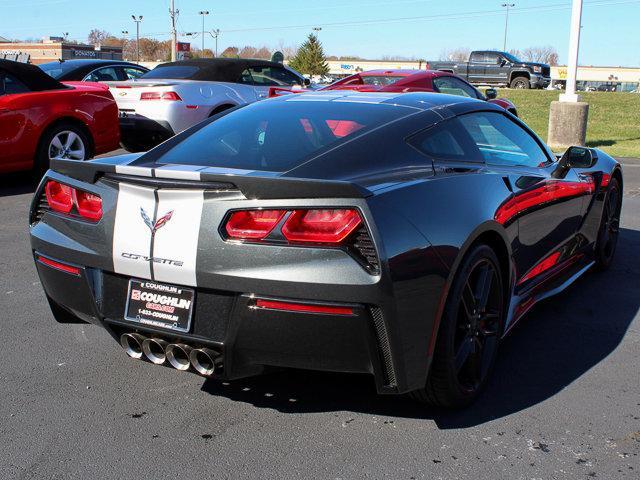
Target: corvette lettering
146	258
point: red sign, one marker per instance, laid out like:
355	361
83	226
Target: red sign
183	47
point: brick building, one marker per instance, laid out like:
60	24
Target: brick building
55	48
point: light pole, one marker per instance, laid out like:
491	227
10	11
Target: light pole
506	23
137	20
203	13
124	40
568	117
317	30
215	33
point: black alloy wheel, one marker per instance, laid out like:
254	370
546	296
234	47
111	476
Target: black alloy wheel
469	334
609	226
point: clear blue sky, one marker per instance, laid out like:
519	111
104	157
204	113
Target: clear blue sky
610	34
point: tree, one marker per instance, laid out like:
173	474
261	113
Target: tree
460	54
97	37
541	54
230	52
310	58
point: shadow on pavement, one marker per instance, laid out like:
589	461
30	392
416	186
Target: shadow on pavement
552	347
17	184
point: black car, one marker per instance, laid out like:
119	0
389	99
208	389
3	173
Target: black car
398	235
490	67
93	70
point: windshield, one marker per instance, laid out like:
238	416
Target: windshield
512	58
56	69
172	72
279	135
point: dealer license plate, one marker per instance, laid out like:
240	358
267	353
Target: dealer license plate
160	305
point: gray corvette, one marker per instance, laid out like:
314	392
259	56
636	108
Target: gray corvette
400	235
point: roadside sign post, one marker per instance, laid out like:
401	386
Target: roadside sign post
568	116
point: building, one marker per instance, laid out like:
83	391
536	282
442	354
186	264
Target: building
56	48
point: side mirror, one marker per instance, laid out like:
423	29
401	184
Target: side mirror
579	157
502	62
491	93
307	82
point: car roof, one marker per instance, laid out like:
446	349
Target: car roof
219	69
33	77
80	62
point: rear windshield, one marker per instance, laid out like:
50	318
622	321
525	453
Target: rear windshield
279	135
172	71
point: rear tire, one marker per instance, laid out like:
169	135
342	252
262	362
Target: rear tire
471	326
64	140
607	241
520	82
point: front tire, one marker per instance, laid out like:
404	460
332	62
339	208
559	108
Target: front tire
520	83
471	325
63	141
607	241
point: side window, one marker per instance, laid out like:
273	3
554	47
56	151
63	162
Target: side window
273	77
131	73
447	141
106	74
492	59
454	86
477	57
11	85
501	141
246	78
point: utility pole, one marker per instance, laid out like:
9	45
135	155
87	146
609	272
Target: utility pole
203	13
173	13
506	23
574	47
137	20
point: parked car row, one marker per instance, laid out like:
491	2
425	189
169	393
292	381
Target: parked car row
79	108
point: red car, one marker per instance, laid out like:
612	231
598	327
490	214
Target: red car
417	81
42	119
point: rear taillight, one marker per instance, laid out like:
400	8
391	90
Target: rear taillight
173	96
88	205
73	201
59	196
325	226
253	224
321	226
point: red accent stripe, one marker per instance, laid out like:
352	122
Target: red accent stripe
551	191
541	267
59	266
302	307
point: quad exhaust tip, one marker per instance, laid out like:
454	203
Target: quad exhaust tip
203	361
178	355
154	350
132	344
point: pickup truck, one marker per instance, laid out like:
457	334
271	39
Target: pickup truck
489	67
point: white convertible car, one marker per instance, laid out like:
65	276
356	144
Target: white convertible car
175	96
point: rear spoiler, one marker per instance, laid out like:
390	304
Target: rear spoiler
252	186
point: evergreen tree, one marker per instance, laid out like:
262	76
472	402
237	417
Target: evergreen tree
310	58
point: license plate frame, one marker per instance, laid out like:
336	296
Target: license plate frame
170	311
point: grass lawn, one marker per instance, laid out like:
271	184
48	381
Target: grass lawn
614	118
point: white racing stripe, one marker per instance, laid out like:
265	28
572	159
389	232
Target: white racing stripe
177	239
131	235
133	170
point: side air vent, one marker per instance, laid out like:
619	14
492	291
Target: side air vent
362	247
384	347
40	209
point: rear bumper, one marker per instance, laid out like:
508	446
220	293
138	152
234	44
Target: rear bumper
250	340
138	131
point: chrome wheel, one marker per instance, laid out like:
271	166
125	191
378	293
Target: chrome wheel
67	144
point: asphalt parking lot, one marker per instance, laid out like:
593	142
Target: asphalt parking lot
564	401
